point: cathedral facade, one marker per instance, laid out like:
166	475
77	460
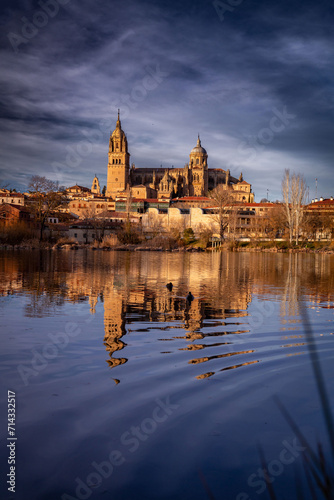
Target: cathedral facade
194	179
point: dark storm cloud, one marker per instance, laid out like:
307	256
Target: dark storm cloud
175	70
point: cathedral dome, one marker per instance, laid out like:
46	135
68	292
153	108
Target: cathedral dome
118	132
198	148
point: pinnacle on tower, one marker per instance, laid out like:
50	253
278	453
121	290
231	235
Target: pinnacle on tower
118	123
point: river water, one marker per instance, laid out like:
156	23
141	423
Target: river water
125	390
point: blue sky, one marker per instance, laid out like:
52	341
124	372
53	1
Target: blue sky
253	78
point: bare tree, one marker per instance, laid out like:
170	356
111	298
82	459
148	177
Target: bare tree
157	223
45	197
276	221
294	191
223	208
97	220
317	224
205	233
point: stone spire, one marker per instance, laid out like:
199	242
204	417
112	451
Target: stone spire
118	123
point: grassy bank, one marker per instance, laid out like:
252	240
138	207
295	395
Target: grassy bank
167	243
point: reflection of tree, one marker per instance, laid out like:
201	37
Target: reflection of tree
290	305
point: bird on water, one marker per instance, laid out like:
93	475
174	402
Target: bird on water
169	286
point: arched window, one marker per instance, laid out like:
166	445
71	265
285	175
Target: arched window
197	161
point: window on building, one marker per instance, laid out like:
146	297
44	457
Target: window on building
75	235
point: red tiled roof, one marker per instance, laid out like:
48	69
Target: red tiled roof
11	195
254	204
17	207
192	198
321	203
77	186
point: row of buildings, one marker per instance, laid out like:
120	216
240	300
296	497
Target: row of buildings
157	200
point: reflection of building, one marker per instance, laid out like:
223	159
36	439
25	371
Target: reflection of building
194	179
114	325
133	285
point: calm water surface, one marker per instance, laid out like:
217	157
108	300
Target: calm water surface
126	391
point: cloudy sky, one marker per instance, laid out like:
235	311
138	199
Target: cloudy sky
253	77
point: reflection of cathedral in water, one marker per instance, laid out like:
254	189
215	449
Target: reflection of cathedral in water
132	289
114	325
166	307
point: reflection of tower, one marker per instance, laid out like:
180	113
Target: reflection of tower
193	318
92	303
114	325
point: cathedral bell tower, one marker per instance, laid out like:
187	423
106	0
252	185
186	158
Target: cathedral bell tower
198	166
118	161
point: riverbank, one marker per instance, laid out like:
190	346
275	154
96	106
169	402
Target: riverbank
231	246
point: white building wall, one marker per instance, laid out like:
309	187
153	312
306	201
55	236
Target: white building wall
153	221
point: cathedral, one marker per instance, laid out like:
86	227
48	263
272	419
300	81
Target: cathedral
194	179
